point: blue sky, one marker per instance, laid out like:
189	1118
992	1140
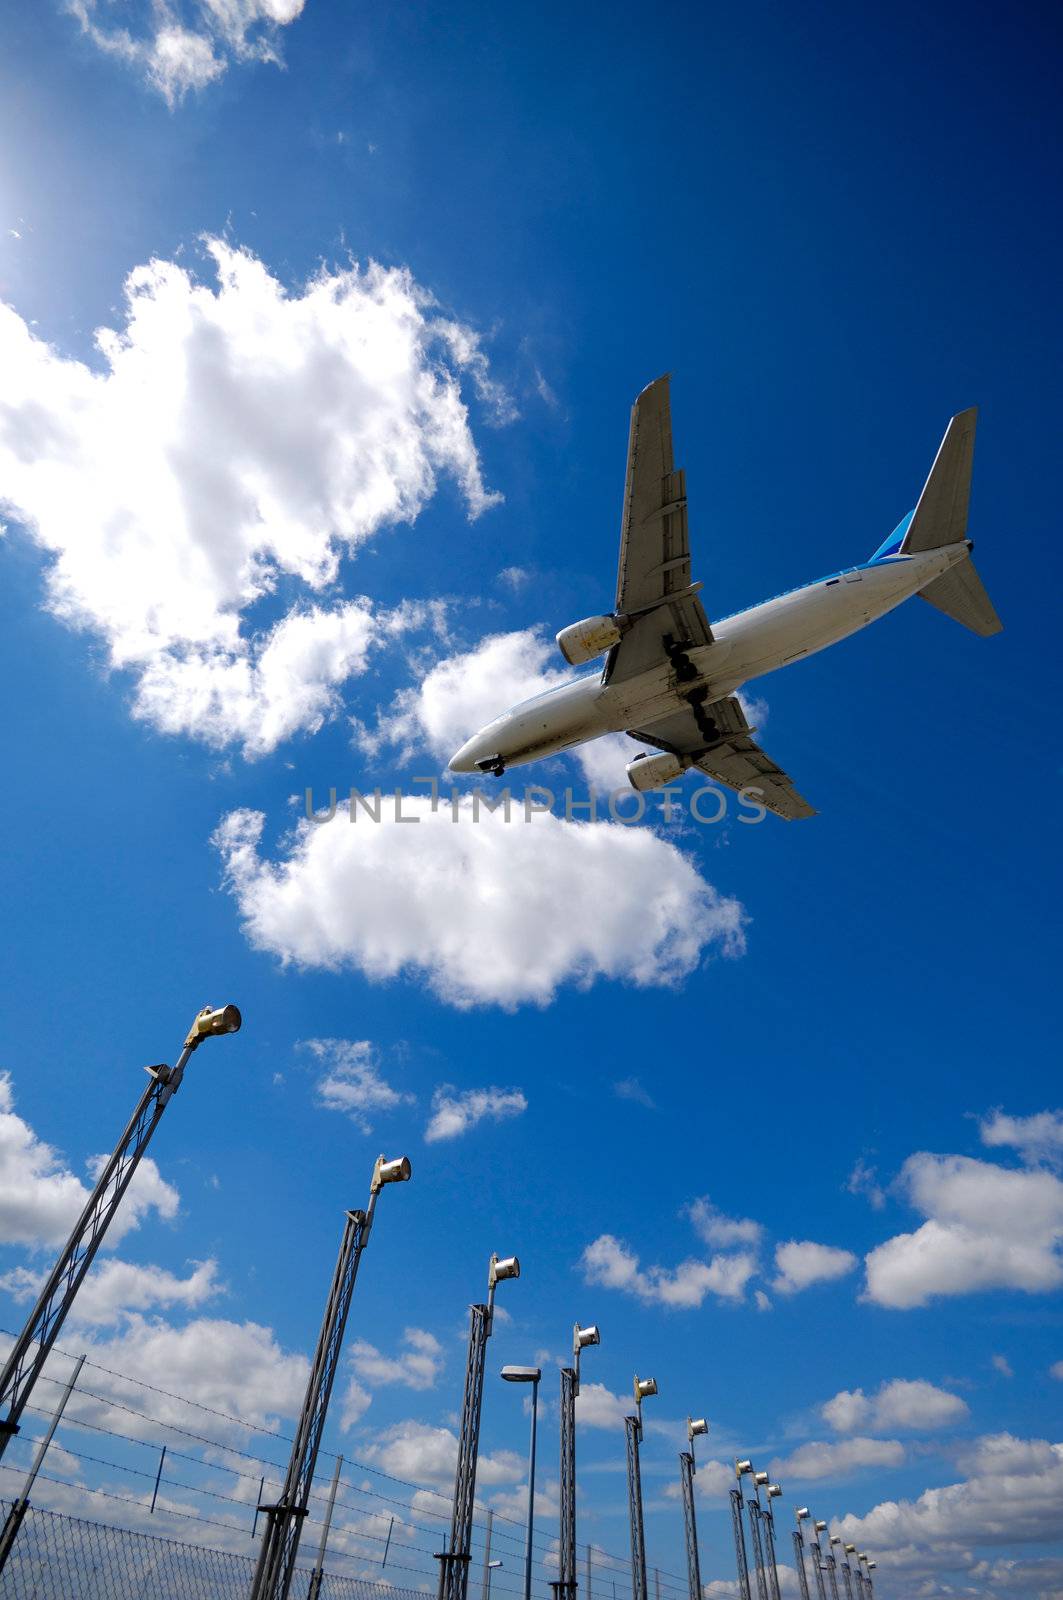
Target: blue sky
300	518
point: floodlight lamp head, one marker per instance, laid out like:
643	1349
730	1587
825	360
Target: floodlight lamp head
501	1268
644	1387
760	1479
802	1514
582	1337
820	1527
210	1022
395	1171
774	1491
850	1549
695	1427
835	1539
871	1566
860	1556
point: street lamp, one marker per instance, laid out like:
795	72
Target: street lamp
528	1375
491	1566
738	1528
565	1586
34	1344
644	1387
454	1562
800	1515
760	1480
695	1429
773	1491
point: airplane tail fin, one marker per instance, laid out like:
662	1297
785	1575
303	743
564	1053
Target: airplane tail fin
960	594
941	515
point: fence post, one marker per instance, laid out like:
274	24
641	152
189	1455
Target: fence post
315	1577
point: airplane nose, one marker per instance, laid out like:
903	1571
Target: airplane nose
464	760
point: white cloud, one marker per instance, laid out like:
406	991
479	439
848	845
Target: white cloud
179	48
454	1113
632	1089
356	1402
418	1452
801	1263
461	693
609	1262
1013	1494
1003	1366
351	1082
988	1227
232	446
236	1368
712	1481
1056	1370
440	899
417	1366
715	1228
902	1403
40	1198
762	1300
599	1407
820	1459
115	1288
863	1180
1037	1138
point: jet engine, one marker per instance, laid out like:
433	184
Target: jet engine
582	641
653	772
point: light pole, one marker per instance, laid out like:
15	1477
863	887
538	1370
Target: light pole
753	1507
850	1550
489	1567
565	1587
528	1375
832	1565
843	1567
869	1567
819	1563
801	1515
454	1561
687	1468
284	1521
644	1387
773	1491
738	1528
34	1344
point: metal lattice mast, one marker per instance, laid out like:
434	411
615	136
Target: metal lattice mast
566	1565
799	1563
633	1429
34	1344
753	1507
454	1561
566	1586
827	1561
774	1491
284	1520
687	1469
634	1495
817	1562
738	1526
846	1573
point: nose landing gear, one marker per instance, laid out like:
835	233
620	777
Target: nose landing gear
492	764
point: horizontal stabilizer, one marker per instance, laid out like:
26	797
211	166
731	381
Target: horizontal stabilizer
941	516
960	594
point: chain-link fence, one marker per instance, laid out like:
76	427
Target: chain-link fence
56	1557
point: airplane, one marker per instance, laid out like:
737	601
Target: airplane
671	679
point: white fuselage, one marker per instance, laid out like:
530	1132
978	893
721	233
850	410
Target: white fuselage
745	646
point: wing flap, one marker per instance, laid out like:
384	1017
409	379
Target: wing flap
733	758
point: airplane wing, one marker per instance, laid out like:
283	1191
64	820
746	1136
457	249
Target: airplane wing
720	740
654	546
